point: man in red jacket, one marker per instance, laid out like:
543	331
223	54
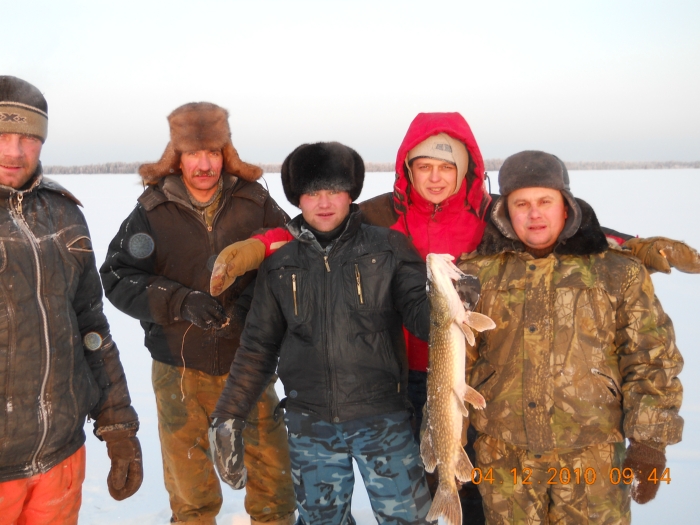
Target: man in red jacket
441	203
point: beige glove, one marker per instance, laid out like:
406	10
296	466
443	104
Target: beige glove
233	261
660	254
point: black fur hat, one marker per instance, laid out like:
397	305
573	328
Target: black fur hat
322	166
534	169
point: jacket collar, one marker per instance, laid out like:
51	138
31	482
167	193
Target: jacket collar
305	236
36	182
589	239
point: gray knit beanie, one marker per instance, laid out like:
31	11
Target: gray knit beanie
23	109
534	169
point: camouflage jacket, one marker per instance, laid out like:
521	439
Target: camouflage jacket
582	352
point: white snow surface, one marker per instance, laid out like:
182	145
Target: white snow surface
640	202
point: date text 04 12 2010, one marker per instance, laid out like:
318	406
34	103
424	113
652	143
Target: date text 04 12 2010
565	476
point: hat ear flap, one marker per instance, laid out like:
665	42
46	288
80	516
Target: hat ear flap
169	163
235	166
290	189
358	175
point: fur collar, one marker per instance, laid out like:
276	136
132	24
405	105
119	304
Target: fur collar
589	239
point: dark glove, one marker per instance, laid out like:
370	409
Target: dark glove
226	446
642	459
126	474
469	289
660	254
202	310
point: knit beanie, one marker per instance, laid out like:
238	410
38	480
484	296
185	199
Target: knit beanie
534	169
441	147
23	109
322	166
194	127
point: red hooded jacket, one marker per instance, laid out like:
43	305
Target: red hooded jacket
454	226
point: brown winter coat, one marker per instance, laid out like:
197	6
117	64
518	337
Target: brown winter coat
151	288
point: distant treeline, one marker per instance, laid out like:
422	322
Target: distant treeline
491	165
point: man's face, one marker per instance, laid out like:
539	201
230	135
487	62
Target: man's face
201	171
538	215
325	210
434	179
19	157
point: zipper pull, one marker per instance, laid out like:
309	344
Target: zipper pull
359	284
294	293
20	198
325	259
435	210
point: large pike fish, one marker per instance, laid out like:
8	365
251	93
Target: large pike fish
452	321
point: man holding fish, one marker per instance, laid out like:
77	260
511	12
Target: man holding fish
582	358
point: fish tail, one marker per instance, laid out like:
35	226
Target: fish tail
446	504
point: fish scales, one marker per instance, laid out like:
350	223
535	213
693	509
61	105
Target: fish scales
441	445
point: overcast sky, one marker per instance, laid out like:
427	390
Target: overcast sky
586	80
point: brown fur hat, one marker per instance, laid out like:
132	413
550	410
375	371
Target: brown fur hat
193	127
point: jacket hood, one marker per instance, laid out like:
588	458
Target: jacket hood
426	125
589	239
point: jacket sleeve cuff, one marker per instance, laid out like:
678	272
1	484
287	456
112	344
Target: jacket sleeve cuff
274	239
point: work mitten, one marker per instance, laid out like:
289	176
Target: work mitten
202	310
233	261
642	460
226	447
126	474
661	253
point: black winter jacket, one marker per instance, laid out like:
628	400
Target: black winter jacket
165	249
57	359
334	321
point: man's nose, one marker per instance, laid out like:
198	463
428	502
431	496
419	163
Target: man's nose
12	146
204	163
434	174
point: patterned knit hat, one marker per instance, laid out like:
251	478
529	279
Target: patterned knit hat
23	109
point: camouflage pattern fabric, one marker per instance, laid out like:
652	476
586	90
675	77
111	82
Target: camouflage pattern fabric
582	353
185	398
386	455
579	487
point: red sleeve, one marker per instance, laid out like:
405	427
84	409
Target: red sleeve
274	239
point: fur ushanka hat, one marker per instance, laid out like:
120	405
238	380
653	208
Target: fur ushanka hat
534	169
193	127
322	166
23	109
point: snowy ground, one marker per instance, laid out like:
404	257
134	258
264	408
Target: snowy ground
644	202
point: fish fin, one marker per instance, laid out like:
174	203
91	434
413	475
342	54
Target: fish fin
479	322
464	467
474	398
460	403
446	504
468	334
427	453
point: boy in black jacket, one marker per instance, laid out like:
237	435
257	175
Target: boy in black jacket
327	314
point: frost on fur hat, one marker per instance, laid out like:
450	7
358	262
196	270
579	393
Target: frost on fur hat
193	127
23	109
322	166
534	169
442	147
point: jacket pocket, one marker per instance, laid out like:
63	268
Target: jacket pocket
291	288
367	282
609	383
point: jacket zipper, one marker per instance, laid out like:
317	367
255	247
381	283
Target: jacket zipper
33	242
359	284
325	260
294	293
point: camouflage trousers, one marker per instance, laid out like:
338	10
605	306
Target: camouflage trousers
387	458
583	486
184	399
